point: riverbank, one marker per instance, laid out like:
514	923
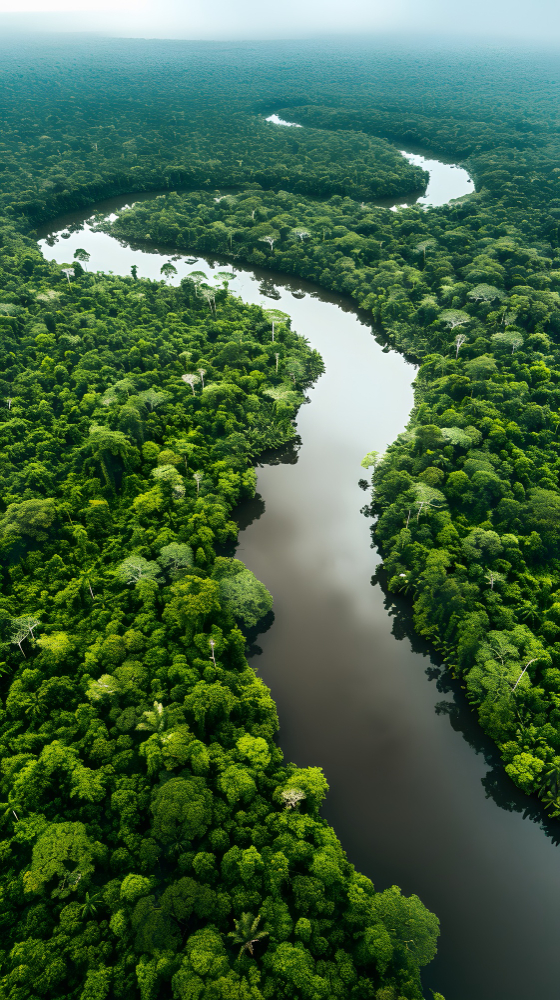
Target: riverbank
356	692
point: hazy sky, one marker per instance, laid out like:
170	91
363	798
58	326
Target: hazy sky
531	20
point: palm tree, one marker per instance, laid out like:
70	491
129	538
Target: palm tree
89	909
550	788
246	933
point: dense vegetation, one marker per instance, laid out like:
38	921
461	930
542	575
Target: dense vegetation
153	836
148	813
468	498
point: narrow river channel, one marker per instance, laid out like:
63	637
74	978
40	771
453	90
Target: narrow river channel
416	797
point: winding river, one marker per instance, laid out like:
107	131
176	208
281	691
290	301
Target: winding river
417	796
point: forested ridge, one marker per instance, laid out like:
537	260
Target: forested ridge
155	843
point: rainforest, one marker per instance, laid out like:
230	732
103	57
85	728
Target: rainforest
156	841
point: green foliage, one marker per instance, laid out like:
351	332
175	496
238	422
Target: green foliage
150	819
151	825
247	597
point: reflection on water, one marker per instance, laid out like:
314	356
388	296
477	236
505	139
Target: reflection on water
447	180
415	786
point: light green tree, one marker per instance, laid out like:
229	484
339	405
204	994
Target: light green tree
135	568
176	556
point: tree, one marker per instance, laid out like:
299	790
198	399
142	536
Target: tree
283	394
68	271
294	369
82	256
197	277
225	277
136	568
413	929
246	932
155	721
550	787
454	317
270	240
191	380
31	517
152	397
427	496
90	904
202	373
176	556
247	597
168	270
209	294
423	246
292	797
275	316
168	473
525	668
371	460
485	293
198	477
492	576
481	368
26	622
457	436
102	441
460	339
508	339
481	544
18	637
182	810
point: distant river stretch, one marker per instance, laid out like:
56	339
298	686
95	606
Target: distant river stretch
447	180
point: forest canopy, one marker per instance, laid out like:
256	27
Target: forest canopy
155	843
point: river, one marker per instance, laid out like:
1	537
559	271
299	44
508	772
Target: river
417	796
447	180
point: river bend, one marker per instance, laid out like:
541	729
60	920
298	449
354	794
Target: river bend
416	797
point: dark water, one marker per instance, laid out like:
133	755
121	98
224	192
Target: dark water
416	797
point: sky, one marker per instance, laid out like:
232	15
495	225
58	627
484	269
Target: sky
521	20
